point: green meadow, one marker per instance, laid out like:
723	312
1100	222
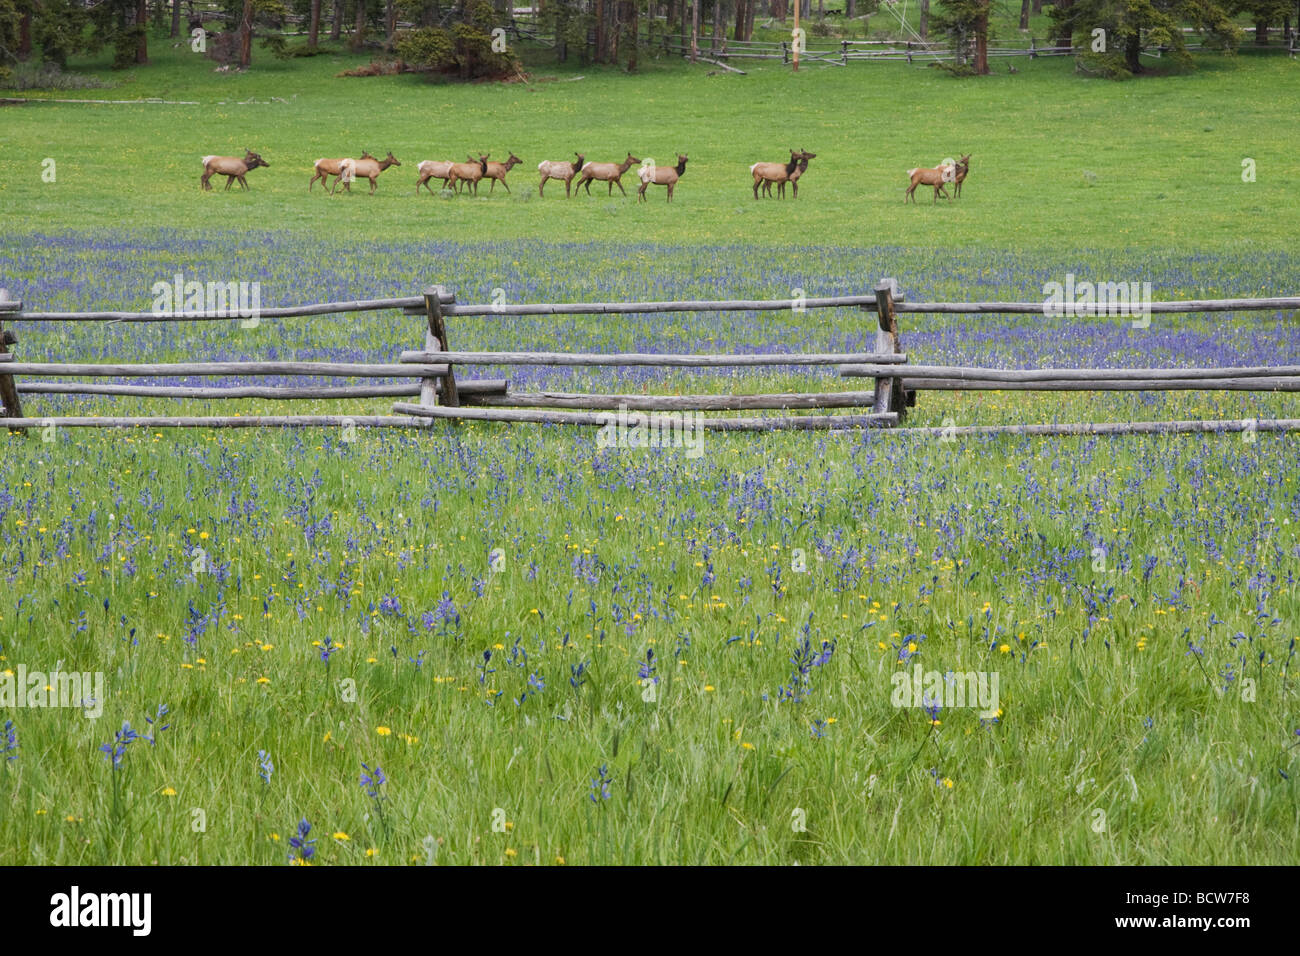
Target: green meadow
564	653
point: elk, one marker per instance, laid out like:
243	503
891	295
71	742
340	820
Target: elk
370	169
497	172
558	169
232	167
611	173
470	172
325	168
794	176
433	169
930	177
767	173
661	176
963	167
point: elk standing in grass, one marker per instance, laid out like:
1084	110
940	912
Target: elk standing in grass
557	169
963	167
661	176
794	176
433	169
611	173
470	172
497	172
370	169
935	178
232	167
323	169
767	173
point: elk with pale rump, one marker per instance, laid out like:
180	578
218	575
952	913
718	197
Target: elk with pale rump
611	173
232	167
433	169
935	178
767	173
557	169
661	176
370	169
497	172
470	172
963	167
323	169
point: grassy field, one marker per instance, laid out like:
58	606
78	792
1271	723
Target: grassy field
562	653
1057	160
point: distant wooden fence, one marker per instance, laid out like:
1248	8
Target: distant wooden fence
440	394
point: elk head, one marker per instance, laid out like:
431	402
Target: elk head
252	160
390	159
512	161
804	154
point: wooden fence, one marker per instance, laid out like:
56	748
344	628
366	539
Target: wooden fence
439	393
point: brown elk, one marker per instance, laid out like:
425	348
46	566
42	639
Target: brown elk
558	169
611	173
795	176
767	173
370	169
433	169
323	169
935	178
232	167
963	167
497	172
661	176
469	173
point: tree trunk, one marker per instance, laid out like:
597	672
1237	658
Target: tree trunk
142	25
390	25
718	28
1038	6
336	20
359	31
1133	54
25	36
176	18
636	39
850	9
1261	33
925	20
695	29
1024	14
246	36
1064	38
982	40
313	28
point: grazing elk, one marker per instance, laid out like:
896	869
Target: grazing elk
497	172
936	177
611	173
795	176
558	169
323	169
767	173
470	172
232	167
433	169
370	169
661	176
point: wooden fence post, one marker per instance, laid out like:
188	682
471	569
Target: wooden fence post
13	408
889	391
435	340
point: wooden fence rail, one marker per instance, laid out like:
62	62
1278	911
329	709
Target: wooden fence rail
430	378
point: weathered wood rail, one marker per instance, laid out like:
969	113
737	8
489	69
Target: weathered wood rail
430	377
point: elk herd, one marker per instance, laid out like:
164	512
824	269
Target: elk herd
459	177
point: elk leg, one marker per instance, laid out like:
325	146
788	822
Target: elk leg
503	186
539	188
670	191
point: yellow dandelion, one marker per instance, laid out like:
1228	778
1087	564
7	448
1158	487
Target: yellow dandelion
342	837
383	731
512	852
169	792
